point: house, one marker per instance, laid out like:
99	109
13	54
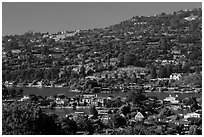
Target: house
113	61
105	90
175	107
103	112
97	101
190	18
180	122
59	101
139	116
25	98
89	95
192	115
171	99
16	51
87	100
77	68
92	77
175	76
101	100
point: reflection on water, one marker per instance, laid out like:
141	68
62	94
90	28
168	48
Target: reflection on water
61	112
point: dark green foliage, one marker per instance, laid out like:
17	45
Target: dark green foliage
153	73
85	124
94	112
125	109
165	112
69	126
129	59
118	121
83	71
195	130
136	96
162	72
27	119
11	93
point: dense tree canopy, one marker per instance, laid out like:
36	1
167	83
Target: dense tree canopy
27	119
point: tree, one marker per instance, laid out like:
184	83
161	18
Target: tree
178	68
125	109
50	41
82	71
116	102
137	129
153	72
193	79
129	59
169	70
196	121
118	121
5	92
194	107
162	72
136	96
85	124
12	93
189	101
120	60
69	126
165	112
195	130
27	119
45	50
20	92
163	45
94	112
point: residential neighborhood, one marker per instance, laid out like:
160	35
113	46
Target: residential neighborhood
142	76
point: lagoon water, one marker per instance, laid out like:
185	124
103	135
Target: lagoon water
54	91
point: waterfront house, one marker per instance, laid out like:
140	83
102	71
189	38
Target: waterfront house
171	99
89	95
59	101
87	100
25	98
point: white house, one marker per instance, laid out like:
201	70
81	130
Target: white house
139	116
175	76
25	98
16	51
192	115
87	100
171	99
60	101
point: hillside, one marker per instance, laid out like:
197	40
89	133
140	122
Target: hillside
164	42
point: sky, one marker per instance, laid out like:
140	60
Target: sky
52	17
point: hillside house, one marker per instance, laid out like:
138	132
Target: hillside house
113	61
192	115
16	51
139	116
